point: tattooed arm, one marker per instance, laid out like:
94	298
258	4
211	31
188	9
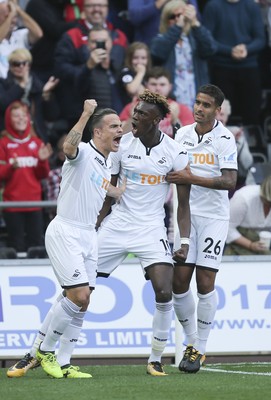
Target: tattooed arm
226	181
75	135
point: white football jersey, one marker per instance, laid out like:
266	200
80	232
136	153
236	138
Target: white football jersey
84	184
145	169
208	155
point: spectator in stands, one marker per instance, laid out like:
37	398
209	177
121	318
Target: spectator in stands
225	112
250	213
136	64
145	16
23	164
158	81
238	30
51	185
73	9
266	8
118	15
24	85
72	53
265	55
183	47
50	15
97	79
11	35
244	156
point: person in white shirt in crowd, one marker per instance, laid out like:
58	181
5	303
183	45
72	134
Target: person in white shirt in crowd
13	36
250	213
244	156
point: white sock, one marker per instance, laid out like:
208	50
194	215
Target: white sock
184	307
161	325
43	329
207	307
69	339
63	313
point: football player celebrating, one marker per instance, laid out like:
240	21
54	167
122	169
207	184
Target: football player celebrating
212	172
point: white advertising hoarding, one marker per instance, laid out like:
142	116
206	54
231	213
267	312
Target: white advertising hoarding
119	320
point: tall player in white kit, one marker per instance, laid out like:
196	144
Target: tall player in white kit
71	239
213	171
136	224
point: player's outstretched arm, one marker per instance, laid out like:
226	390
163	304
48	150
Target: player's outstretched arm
184	222
226	181
74	137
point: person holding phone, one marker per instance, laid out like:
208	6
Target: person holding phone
72	51
100	44
97	78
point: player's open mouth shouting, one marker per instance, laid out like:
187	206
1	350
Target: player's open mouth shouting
116	140
134	127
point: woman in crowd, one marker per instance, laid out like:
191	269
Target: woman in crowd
183	47
136	64
23	164
24	85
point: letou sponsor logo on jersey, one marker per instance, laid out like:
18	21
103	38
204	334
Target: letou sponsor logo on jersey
144	179
202	158
99	180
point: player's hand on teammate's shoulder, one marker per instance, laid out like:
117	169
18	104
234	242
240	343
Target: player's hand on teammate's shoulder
180	177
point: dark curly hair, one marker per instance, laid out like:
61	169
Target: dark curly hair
213	91
157	99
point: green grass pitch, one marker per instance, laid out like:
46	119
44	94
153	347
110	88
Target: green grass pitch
243	381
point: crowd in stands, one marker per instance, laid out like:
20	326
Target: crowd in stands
56	53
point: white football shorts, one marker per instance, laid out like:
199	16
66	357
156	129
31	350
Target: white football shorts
118	238
73	252
207	241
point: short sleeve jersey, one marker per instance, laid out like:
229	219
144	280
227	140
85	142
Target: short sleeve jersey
208	155
83	187
145	169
